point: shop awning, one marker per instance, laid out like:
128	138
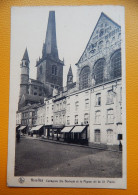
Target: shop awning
17	126
37	128
78	129
66	129
22	127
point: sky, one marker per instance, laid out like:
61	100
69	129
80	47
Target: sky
74	26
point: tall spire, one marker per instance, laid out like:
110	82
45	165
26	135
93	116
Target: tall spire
25	56
50	41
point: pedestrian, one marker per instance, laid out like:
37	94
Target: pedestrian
18	136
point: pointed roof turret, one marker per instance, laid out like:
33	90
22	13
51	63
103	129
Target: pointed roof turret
50	41
70	71
25	56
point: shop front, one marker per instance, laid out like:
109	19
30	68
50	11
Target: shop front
66	133
37	131
22	130
79	135
57	132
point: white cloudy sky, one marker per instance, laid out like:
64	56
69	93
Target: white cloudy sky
74	25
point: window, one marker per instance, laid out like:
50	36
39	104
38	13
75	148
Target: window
57	107
85	78
51	118
35	93
76	106
98	117
68	107
110	136
97	135
56	119
86	103
110	116
63	119
76	119
64	104
110	97
47	120
60	106
86	118
43	118
47	109
41	70
68	120
120	94
54	70
60	119
98	71
116	64
52	107
98	99
120	114
100	45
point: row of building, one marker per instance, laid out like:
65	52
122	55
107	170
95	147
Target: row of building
86	111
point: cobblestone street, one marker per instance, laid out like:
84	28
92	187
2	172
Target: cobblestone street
38	158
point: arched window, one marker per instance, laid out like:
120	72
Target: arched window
98	71
116	64
100	45
110	136
54	70
101	32
85	77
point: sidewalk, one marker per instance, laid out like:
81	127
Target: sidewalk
92	146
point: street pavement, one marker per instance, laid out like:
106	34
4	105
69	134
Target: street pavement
36	158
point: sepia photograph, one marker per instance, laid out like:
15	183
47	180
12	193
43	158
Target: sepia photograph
67	109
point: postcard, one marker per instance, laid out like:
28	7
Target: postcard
67	109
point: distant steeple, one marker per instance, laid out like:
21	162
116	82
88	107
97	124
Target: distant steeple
25	56
69	76
70	71
50	45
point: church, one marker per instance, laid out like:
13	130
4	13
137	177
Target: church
86	111
49	70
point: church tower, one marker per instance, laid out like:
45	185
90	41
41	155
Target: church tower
49	66
24	74
69	76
